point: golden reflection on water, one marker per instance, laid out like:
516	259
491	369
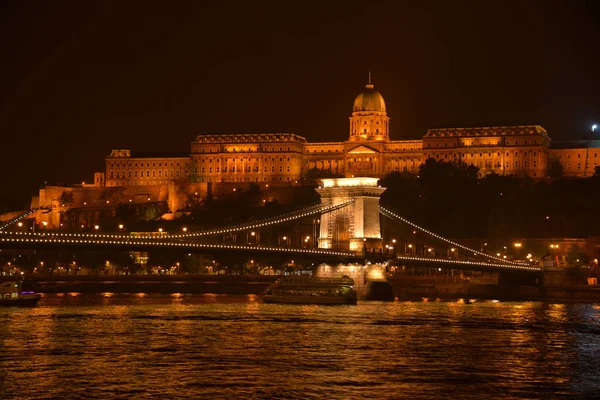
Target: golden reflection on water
213	346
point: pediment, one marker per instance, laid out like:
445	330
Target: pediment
362	150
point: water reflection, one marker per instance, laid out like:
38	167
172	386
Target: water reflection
209	346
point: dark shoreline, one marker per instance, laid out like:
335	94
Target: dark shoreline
403	289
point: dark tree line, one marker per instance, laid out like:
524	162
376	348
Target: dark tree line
450	198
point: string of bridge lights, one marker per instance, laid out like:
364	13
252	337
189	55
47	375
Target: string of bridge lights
17	219
79	235
301	213
473	263
187	245
389	213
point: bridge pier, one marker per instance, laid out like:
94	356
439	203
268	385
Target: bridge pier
355	227
370	280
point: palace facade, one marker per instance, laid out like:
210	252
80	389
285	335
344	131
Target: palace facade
285	157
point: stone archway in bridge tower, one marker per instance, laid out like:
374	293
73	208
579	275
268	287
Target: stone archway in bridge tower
341	228
356	226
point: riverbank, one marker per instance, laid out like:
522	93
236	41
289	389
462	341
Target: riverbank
194	284
404	288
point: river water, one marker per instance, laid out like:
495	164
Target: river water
227	347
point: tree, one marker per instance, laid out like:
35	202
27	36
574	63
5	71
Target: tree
576	257
66	198
555	168
315	174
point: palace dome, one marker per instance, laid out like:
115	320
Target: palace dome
369	100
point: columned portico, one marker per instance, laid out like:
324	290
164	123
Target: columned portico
356	226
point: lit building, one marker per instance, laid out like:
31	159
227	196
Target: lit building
285	158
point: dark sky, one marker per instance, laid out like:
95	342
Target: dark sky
80	78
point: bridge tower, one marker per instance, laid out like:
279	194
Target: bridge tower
356	226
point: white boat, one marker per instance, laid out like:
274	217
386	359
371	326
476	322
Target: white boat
12	295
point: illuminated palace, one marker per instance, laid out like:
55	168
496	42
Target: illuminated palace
369	151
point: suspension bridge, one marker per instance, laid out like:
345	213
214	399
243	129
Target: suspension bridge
345	227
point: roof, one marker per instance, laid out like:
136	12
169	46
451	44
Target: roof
159	154
126	153
575	144
249	138
488	131
369	100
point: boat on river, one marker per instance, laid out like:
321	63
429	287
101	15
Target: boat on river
12	295
311	290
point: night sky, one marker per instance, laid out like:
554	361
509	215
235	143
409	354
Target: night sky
80	78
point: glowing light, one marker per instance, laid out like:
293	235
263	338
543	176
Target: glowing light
518	245
20	224
121	226
594	127
346	182
96	227
252	233
184	229
160	229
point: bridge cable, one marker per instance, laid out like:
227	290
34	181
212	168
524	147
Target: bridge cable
384	211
